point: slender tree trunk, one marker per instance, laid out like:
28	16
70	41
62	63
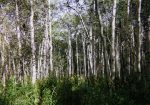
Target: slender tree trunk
90	50
84	55
69	54
18	32
14	70
117	58
113	39
42	60
128	7
129	49
4	77
33	60
72	61
9	66
102	62
46	47
50	36
106	64
2	63
39	62
94	56
77	55
133	58
139	38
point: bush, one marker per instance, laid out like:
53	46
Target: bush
77	91
18	94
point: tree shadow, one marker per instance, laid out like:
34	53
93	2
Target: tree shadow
3	101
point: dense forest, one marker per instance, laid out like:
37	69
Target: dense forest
75	52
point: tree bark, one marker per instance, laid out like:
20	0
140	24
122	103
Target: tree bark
84	55
128	7
113	39
69	54
77	55
90	49
139	38
33	60
117	58
46	48
50	36
2	61
18	32
129	49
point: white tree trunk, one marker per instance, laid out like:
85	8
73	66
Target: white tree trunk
117	58
84	54
18	32
139	37
133	47
94	56
113	39
33	61
50	36
129	51
46	48
69	54
77	55
90	49
2	61
14	69
128	7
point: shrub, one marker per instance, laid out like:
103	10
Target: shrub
77	91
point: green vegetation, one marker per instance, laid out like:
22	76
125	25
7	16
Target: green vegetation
75	91
74	52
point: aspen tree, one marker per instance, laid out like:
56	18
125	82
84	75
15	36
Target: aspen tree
33	60
113	39
69	54
50	35
139	37
18	32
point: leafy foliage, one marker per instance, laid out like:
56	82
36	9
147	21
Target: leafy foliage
77	91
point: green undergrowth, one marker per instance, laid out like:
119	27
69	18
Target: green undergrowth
77	91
